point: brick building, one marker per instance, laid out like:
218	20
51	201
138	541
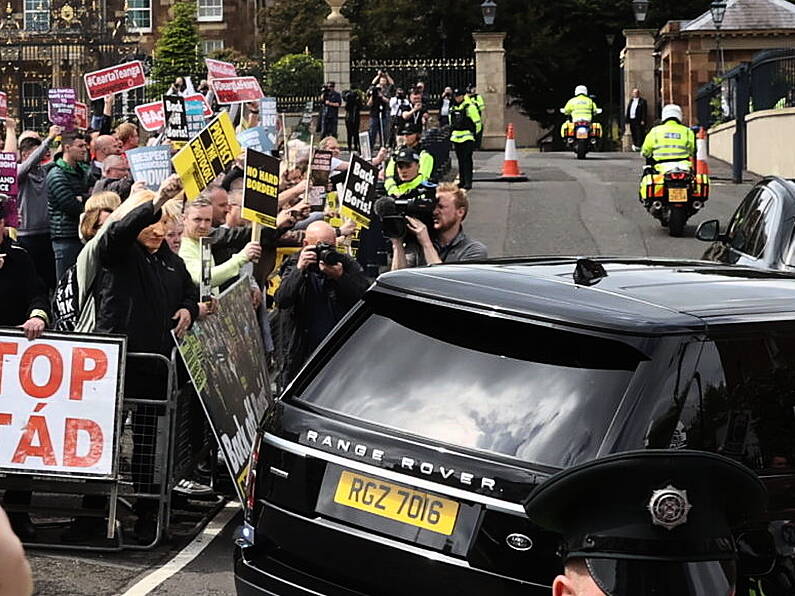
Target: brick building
687	51
52	43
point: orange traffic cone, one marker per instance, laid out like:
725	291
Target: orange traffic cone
510	166
702	167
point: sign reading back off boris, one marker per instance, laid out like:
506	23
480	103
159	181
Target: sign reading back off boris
59	400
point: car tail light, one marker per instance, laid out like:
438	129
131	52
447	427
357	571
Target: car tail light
678	175
251	477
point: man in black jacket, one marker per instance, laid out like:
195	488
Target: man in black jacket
313	297
636	118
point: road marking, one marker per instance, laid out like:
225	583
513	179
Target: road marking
149	582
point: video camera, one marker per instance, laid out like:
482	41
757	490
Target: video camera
418	203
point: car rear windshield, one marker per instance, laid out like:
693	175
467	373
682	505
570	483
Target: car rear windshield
527	391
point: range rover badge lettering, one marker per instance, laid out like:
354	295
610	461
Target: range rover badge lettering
519	542
345	446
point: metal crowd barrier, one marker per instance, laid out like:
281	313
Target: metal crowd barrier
153	457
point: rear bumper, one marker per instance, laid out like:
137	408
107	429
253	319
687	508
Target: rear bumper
318	557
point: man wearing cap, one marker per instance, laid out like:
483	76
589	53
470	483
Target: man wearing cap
394	181
648	522
465	124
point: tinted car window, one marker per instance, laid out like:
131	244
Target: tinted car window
486	383
749	231
746	400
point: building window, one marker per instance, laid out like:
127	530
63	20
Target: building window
210	10
211	45
37	15
139	13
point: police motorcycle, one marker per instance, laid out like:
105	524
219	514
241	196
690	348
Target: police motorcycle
579	134
673	193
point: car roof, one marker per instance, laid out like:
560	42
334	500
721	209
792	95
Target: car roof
641	296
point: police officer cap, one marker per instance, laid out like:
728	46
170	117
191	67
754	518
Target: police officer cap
406	154
409	127
458	92
651	521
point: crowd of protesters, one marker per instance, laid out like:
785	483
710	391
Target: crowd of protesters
85	248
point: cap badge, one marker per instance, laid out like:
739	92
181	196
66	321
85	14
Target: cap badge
669	507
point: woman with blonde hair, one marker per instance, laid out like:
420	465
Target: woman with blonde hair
96	211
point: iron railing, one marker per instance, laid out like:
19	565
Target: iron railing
436	73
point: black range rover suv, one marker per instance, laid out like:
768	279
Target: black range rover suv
398	460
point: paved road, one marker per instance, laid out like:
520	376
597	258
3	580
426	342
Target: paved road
567	207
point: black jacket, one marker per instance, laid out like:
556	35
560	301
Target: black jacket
137	292
21	289
301	296
121	186
640	112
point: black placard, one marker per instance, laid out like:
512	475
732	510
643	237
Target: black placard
261	188
176	118
359	191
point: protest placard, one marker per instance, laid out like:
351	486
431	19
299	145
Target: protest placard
359	191
150	164
151	116
205	106
303	130
364	145
115	79
176	118
194	112
318	178
207	155
81	115
205	284
268	115
236	90
61	107
217	69
255	138
8	186
3	104
260	188
225	358
61	395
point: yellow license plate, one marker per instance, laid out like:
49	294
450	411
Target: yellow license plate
396	502
677	195
582	134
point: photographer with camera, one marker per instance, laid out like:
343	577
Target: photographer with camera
397	105
410	166
332	101
353	117
378	102
319	286
443	241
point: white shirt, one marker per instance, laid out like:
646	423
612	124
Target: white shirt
395	104
633	108
445	111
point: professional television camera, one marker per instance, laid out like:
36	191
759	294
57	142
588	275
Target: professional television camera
419	203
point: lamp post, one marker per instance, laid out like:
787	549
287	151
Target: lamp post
489	10
640	8
718	10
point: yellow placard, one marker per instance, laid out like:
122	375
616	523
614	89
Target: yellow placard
403	504
207	155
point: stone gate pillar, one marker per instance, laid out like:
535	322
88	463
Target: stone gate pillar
337	47
638	63
491	83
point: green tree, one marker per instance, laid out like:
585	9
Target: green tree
177	52
296	74
291	26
